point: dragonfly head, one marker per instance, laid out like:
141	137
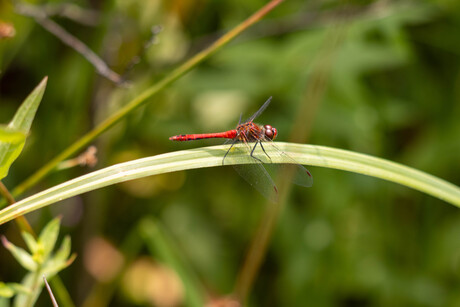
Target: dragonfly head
270	132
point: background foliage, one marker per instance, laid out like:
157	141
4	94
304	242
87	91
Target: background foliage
378	77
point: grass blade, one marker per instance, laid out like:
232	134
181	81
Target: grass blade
212	156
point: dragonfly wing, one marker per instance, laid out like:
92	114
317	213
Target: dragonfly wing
262	108
258	177
301	176
254	173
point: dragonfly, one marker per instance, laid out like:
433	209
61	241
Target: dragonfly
252	135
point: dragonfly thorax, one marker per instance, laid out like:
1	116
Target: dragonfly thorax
251	132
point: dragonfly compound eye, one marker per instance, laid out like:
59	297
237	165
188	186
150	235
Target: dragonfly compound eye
270	132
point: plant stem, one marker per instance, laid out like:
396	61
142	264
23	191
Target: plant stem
6	194
32	296
21	221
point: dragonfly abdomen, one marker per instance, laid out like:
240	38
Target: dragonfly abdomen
193	137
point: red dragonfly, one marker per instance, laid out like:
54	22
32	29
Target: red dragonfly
251	135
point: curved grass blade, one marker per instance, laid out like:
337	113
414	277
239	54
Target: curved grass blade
212	156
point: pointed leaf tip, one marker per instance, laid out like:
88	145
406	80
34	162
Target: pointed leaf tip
30	242
5	241
21	256
25	114
22	121
49	235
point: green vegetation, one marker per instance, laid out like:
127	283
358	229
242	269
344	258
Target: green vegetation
369	87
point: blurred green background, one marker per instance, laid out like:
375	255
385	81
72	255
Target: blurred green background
376	77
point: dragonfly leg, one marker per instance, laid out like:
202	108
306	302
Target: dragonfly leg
233	143
265	151
252	152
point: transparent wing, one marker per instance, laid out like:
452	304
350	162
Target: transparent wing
301	176
255	174
262	108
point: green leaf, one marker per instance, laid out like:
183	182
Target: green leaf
212	156
30	242
23	257
48	237
54	266
10	289
64	251
8	135
18	288
21	121
6	290
60	260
